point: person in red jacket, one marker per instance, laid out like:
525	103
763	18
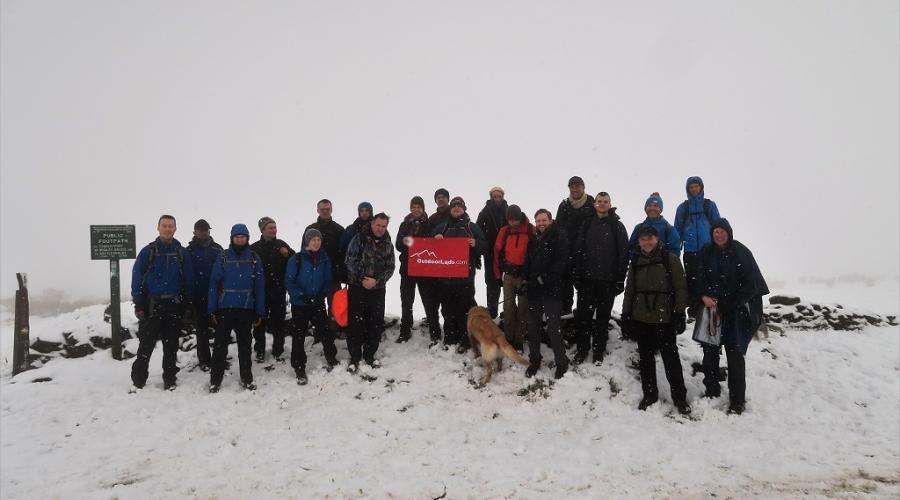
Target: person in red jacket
510	253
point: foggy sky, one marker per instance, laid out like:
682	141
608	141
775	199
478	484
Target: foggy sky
116	112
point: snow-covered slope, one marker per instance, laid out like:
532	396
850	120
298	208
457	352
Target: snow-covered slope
822	420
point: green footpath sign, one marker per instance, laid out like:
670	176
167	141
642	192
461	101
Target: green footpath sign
112	242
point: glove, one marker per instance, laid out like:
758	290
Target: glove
620	287
213	320
139	312
678	323
257	321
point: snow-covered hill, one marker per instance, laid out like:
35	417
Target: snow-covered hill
822	420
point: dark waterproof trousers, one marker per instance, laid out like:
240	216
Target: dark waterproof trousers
457	297
538	306
691	264
493	292
302	317
201	325
277	309
651	337
241	321
366	315
594	296
163	322
737	384
408	285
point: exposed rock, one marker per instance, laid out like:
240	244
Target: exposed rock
784	300
45	346
78	351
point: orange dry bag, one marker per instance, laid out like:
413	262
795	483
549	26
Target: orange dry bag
339	307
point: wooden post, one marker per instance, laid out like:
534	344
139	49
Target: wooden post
21	342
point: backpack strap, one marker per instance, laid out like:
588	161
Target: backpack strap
707	210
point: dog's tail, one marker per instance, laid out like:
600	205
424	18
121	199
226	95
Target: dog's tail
511	352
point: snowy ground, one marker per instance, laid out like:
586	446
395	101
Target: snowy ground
823	420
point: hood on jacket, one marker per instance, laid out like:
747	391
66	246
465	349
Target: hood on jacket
238	229
722	223
694	179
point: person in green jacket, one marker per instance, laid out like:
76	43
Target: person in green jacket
653	310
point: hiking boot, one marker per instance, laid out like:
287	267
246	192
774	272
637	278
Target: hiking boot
170	385
353	366
213	388
647	402
532	369
250	386
404	336
301	375
683	408
580	356
736	408
560	371
434	342
331	362
374	363
461	349
203	367
260	357
598	357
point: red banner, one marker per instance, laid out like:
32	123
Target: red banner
444	258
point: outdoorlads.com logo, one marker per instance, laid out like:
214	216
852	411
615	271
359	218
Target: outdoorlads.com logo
429	257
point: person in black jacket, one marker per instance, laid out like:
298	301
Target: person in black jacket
415	225
204	253
548	254
731	283
572	212
274	254
458	294
331	243
601	262
491	218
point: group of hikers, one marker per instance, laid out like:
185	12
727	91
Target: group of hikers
538	265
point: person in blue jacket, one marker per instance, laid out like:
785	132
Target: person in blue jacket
668	235
162	287
204	253
693	220
308	279
237	301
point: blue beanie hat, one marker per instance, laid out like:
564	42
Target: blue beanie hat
363	205
239	229
654	198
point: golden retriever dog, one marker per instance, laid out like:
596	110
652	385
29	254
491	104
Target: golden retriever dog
489	342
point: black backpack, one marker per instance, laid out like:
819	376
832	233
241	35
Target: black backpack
687	215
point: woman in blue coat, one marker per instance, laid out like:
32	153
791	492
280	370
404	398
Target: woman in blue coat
237	301
308	279
730	282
